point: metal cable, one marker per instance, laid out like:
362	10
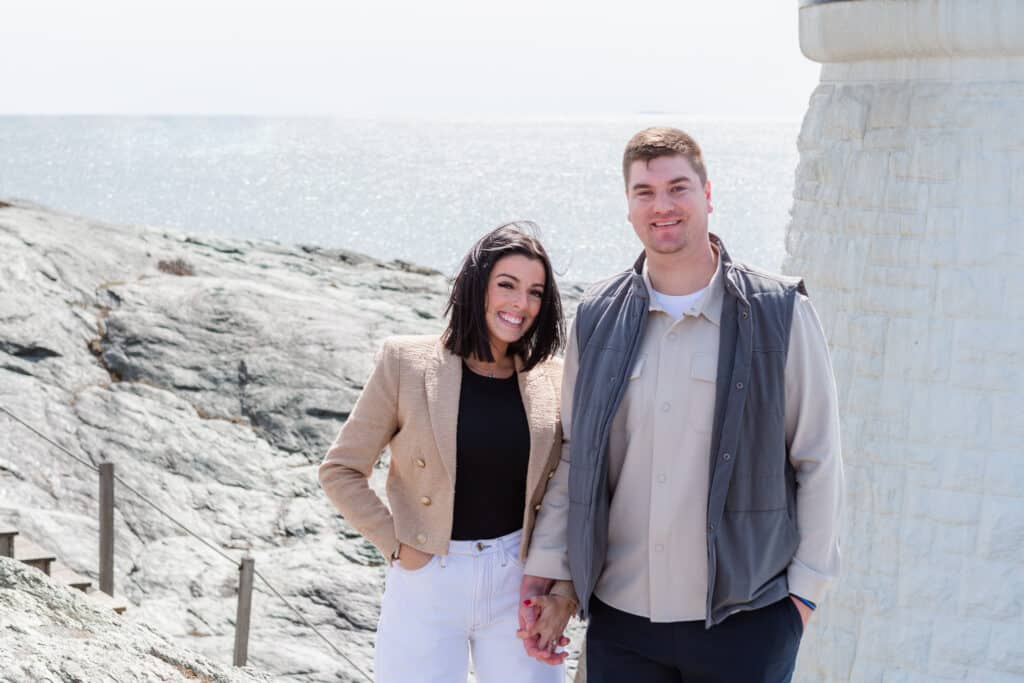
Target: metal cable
310	626
47	439
184	528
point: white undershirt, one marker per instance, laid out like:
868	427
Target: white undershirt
676	305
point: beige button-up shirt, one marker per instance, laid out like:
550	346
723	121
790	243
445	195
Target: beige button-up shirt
658	465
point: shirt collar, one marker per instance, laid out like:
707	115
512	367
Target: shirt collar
710	305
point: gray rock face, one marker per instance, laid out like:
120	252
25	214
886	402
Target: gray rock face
215	394
51	633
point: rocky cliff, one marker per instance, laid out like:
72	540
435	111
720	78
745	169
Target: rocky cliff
213	374
52	633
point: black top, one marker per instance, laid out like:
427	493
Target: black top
492	454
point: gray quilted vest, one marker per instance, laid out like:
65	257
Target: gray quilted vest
752	533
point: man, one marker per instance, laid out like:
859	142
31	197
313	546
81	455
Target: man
696	507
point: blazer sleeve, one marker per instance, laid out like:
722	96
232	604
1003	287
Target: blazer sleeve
548	556
345	471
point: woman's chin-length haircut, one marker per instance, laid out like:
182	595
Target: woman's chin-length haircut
466	334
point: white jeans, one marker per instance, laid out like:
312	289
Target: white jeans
467	601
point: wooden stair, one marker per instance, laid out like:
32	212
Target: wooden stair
28	552
61	573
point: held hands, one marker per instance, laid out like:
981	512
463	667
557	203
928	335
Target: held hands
542	620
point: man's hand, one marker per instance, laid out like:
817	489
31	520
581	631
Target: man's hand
804	610
547	634
532	596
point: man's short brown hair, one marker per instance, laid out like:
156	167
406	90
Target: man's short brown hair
662	141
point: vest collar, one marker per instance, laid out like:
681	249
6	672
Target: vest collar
730	280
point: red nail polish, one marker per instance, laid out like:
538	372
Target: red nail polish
527	602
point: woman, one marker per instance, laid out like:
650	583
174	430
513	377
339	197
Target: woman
471	419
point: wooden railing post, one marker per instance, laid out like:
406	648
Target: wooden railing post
245	579
107	528
7	541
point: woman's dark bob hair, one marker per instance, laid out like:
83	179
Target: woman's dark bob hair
466	334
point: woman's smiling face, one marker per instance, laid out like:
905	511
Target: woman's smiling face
515	292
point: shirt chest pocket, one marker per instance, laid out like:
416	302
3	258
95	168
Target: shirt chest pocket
700	409
633	412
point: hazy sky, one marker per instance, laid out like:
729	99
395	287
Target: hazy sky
738	59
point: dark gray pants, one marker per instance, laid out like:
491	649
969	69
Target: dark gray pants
749	647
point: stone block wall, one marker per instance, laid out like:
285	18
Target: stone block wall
907	224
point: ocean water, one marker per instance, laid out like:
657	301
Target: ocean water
421	191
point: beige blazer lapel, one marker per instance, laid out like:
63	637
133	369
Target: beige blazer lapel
538	402
443	380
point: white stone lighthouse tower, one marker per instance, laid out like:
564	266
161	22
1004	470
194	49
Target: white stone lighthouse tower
908	220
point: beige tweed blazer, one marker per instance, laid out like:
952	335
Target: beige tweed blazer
410	404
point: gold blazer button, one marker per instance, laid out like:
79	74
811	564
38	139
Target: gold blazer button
536	508
420	462
425	500
421	538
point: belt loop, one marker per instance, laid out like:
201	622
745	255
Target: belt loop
503	552
443	561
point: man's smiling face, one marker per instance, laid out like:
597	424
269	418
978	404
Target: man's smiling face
668	205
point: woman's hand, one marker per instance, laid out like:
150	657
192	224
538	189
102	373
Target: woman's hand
545	635
411	559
